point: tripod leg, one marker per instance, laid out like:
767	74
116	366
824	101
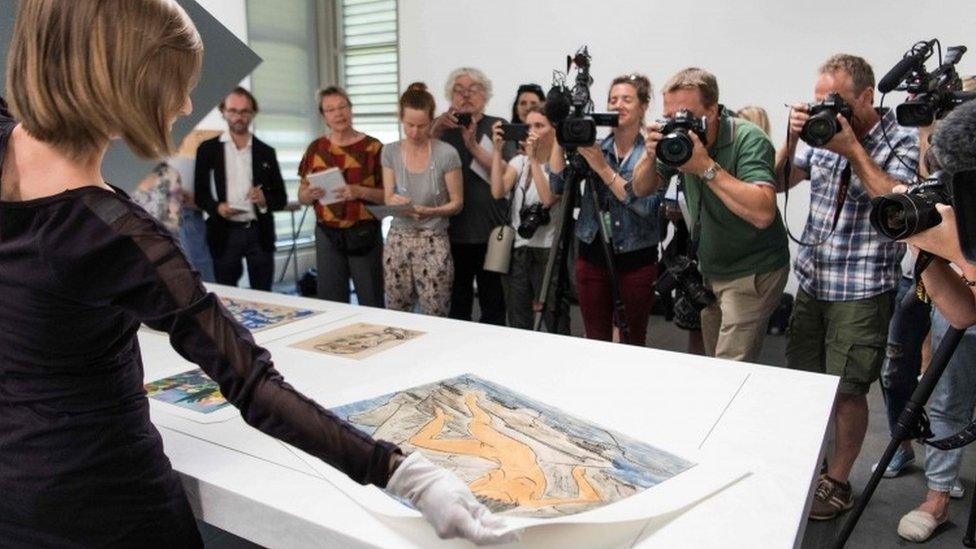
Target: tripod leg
906	427
970	539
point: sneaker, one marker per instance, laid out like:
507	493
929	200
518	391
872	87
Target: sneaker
902	458
957	491
831	499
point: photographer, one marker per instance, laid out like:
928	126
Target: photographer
631	221
465	126
534	215
728	183
849	272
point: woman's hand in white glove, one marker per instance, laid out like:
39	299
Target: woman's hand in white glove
446	502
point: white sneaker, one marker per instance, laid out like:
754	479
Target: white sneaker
958	490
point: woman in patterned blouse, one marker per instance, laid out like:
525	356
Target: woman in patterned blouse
348	240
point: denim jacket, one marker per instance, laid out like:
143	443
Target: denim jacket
634	222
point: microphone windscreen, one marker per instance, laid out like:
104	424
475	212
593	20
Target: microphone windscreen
898	73
558	104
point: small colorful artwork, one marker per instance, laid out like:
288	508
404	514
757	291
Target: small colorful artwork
192	390
358	340
262	316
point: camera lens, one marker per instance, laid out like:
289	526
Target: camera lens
675	149
899	216
914	114
819	129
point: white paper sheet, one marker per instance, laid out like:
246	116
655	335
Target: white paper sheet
331	180
476	166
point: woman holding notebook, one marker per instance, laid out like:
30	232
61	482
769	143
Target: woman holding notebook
424	175
348	240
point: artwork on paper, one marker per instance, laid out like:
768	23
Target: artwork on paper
359	340
262	316
519	456
192	390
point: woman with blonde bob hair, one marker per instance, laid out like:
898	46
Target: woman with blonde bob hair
83	266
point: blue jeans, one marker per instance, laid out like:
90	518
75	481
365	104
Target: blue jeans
193	238
951	405
906	333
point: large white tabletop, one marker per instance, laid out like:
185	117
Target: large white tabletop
768	421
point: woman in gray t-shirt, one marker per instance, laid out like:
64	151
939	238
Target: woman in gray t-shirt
425	174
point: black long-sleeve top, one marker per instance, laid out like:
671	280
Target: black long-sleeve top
79	272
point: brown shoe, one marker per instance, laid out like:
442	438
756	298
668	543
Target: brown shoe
831	499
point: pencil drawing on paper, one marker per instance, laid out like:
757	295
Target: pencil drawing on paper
519	456
358	340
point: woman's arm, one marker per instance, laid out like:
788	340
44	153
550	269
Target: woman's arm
503	175
455	193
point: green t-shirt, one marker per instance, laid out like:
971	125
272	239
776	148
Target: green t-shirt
731	247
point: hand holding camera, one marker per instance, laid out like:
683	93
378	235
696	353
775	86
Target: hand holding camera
823	122
675	148
652	136
497	136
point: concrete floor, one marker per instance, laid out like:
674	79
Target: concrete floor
893	498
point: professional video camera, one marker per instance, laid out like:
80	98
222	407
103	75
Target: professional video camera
933	94
571	111
822	125
676	147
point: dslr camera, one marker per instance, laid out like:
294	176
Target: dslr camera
676	147
681	272
571	111
900	216
932	94
822	125
531	218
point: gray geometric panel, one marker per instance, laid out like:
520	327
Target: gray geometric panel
226	61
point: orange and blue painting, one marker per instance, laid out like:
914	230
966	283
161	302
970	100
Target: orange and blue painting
192	390
519	456
262	316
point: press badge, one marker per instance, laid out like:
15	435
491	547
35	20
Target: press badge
607	225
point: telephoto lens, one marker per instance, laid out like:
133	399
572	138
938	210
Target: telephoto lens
899	216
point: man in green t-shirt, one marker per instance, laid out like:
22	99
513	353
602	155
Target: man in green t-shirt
729	185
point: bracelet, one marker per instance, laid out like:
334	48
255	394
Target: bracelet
612	179
968	282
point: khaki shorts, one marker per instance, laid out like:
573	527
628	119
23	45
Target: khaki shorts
841	338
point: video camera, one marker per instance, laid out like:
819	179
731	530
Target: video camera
676	147
571	111
933	94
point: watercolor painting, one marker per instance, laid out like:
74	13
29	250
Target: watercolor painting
519	456
262	316
192	390
359	340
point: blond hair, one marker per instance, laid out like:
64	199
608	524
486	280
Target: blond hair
756	115
695	79
862	76
80	73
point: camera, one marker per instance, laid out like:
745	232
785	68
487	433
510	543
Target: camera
932	94
532	217
681	272
822	125
676	147
463	119
900	216
571	110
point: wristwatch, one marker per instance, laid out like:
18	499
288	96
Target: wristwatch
711	172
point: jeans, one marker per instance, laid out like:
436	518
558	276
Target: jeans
596	300
524	285
193	238
951	405
906	333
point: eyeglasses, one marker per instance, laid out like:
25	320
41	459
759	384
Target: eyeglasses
243	112
331	110
470	90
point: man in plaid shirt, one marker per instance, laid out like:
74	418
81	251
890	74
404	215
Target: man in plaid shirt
848	273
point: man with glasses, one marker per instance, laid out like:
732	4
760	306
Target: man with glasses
238	183
467	128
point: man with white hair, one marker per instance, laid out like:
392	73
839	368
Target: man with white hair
464	126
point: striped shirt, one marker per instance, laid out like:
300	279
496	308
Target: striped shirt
856	261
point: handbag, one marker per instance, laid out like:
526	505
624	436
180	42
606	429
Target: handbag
498	258
356	240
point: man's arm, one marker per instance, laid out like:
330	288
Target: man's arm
786	153
646	179
875	179
205	200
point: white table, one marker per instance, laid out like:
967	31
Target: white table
771	421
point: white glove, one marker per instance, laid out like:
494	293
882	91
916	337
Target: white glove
446	502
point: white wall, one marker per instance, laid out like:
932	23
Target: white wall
764	52
233	15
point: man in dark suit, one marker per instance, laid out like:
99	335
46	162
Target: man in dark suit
238	183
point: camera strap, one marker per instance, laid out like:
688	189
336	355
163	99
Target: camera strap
841	198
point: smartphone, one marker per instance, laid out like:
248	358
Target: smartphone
463	119
515	132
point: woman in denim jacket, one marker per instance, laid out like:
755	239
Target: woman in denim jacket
631	222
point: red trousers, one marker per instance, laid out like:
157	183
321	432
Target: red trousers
596	301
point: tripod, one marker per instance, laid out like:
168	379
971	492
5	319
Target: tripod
554	283
914	423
